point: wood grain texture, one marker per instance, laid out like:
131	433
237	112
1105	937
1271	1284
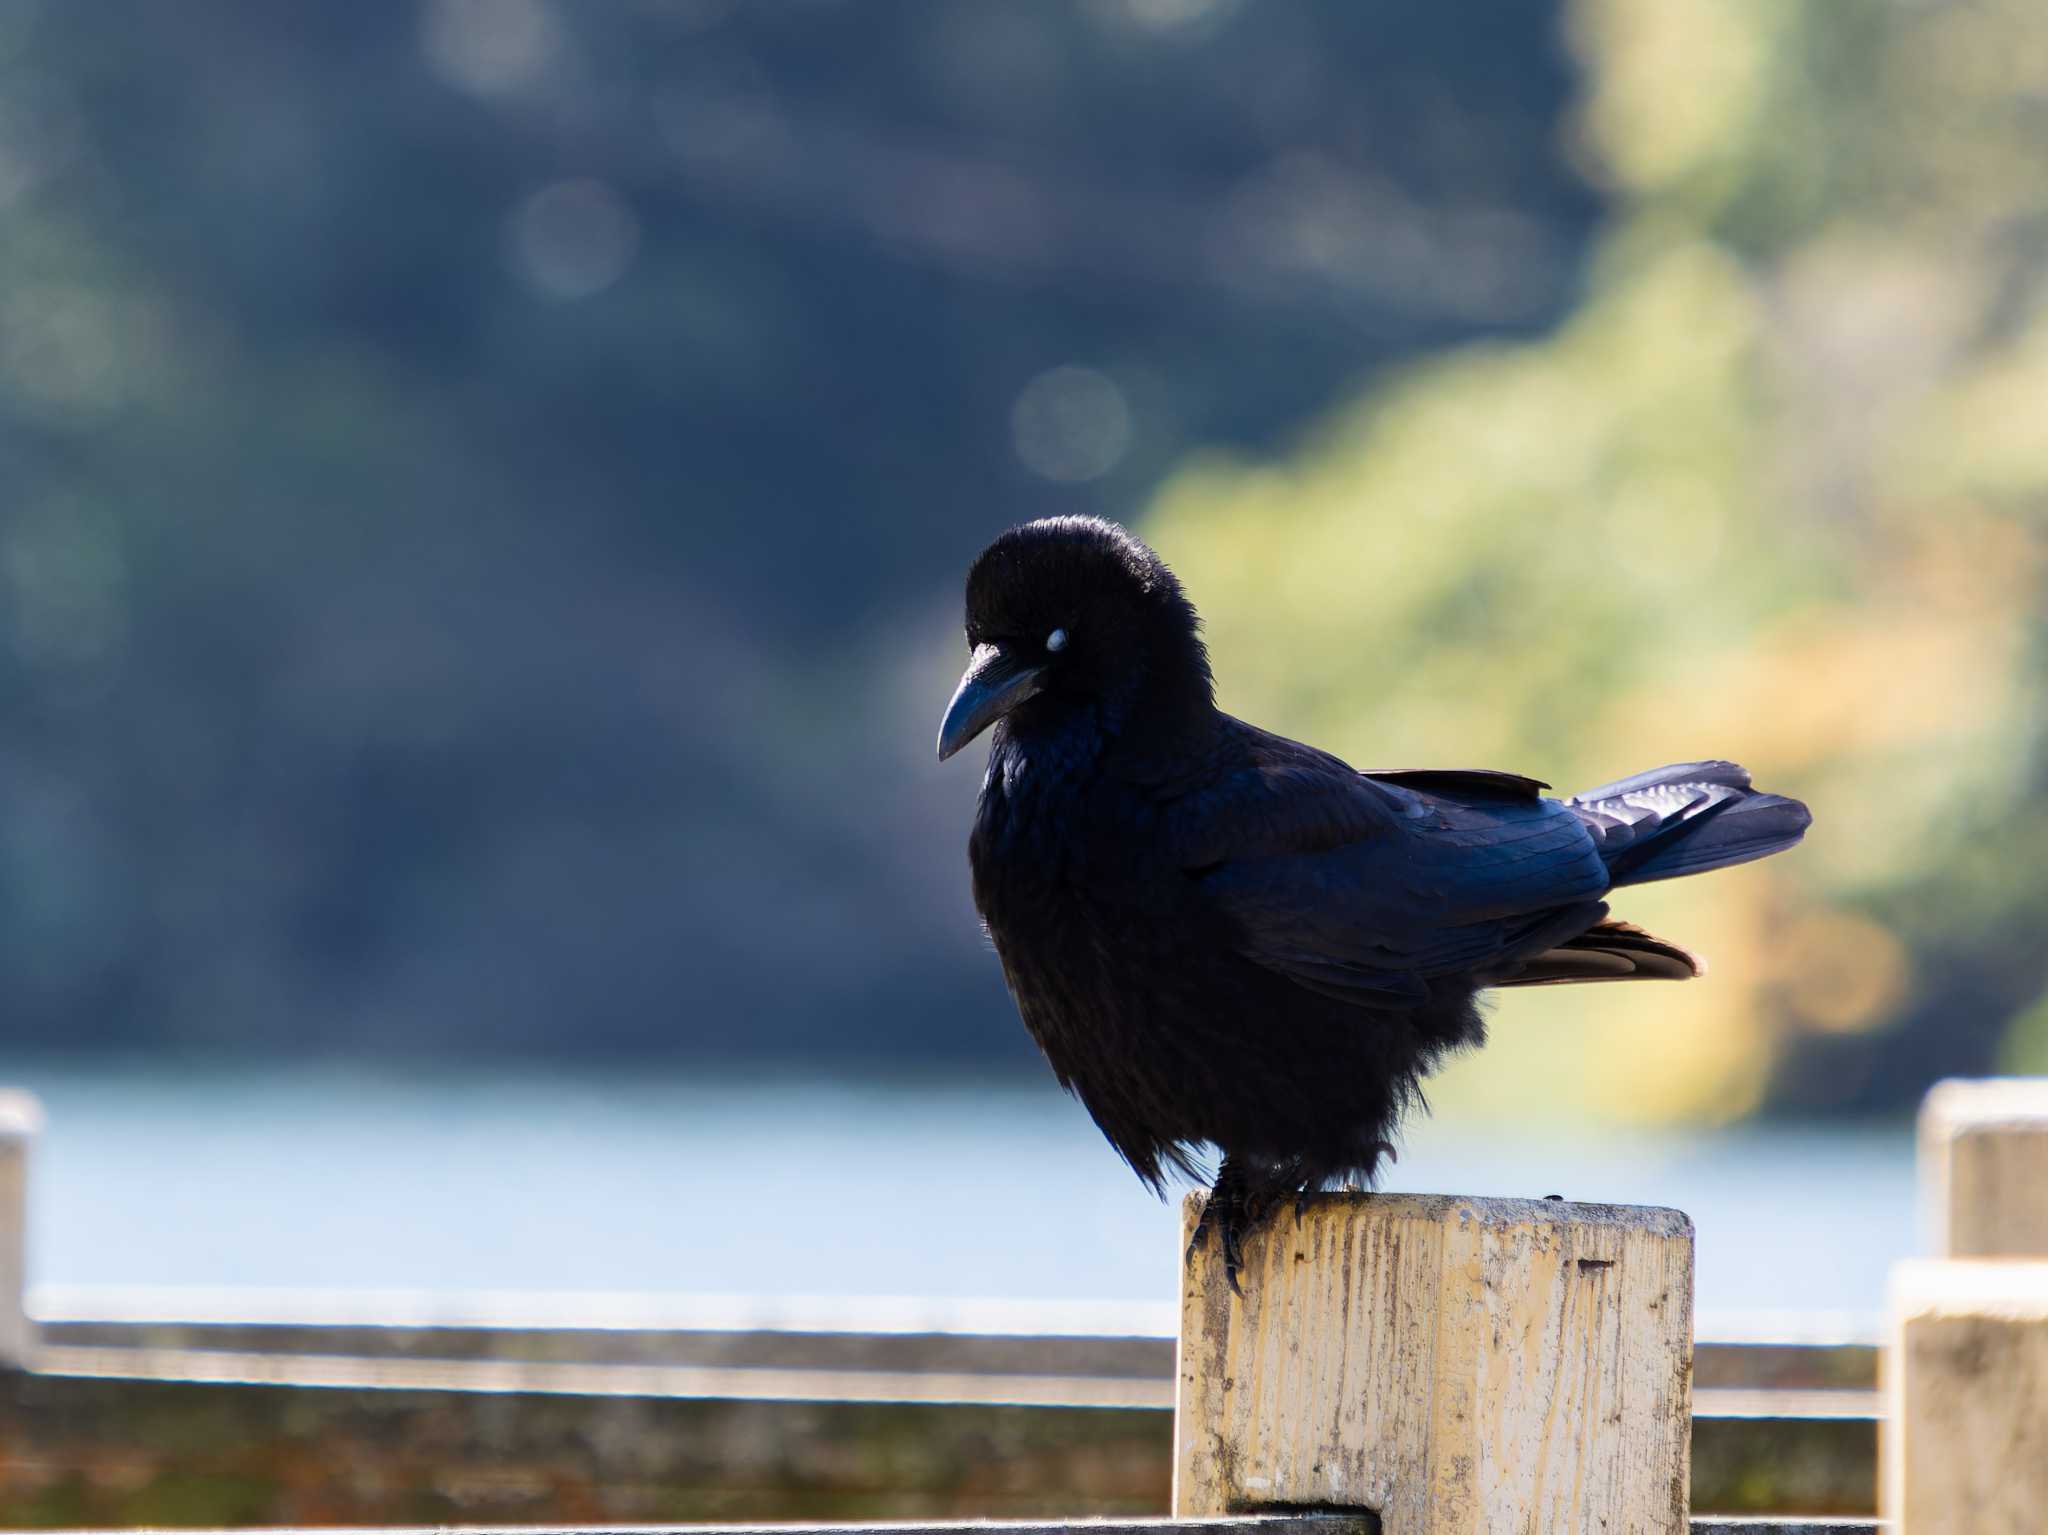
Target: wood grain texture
1964	1446
1457	1365
1984	1167
21	1117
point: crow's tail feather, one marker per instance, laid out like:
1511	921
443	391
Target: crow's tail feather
1686	819
1607	951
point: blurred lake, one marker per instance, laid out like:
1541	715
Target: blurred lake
550	1181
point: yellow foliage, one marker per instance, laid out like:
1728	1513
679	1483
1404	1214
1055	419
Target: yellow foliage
1678	86
1778	491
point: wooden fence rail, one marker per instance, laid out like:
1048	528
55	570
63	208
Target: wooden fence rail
318	1338
289	1437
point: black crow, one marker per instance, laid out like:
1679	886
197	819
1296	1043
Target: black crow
1223	938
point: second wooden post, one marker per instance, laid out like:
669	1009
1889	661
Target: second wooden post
1964	1447
1984	1167
1455	1365
21	1117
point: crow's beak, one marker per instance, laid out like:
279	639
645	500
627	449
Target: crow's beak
995	683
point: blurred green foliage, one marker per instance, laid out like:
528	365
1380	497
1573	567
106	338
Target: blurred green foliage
484	483
1776	490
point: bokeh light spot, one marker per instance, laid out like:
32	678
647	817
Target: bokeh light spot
573	239
489	47
1167	15
60	348
1843	972
1070	424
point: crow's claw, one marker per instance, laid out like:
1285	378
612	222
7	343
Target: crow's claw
1233	1248
1231	1213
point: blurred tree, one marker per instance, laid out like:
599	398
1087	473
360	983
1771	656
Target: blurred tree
1775	491
475	469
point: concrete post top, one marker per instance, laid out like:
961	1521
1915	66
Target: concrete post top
1959	1104
21	1115
1483	1210
2004	1287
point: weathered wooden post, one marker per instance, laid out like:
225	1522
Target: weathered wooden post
1965	1441
1984	1167
20	1118
1455	1365
1965	1446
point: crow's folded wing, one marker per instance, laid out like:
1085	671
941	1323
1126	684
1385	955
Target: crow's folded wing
1366	887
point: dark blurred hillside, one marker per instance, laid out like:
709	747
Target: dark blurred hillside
485	482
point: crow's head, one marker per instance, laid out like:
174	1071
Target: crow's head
1073	614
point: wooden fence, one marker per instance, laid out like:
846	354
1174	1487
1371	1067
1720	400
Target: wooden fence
1443	1364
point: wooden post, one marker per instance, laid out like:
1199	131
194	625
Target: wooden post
1984	1167
20	1118
1965	1436
1965	1439
1456	1365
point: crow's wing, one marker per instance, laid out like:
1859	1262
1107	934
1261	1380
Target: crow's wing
1365	887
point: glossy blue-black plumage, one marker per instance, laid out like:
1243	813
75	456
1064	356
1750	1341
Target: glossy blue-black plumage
1225	939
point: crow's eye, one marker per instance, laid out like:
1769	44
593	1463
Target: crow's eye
1057	640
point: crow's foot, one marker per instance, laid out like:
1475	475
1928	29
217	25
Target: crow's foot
1232	1212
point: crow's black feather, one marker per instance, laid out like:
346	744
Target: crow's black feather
1223	938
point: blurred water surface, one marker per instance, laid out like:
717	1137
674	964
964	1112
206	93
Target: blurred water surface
539	1181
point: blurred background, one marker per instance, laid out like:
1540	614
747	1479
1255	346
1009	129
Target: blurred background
484	486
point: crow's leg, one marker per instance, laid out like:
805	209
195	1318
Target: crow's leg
1246	1191
1225	1192
1228	1210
